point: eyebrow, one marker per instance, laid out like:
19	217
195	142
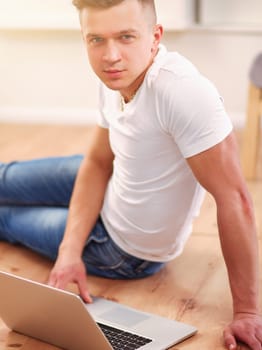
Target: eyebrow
122	32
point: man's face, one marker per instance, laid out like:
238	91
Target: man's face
121	44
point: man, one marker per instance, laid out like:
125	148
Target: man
163	138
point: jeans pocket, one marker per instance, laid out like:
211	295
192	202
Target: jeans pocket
132	267
100	251
103	257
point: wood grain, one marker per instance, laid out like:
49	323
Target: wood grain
193	288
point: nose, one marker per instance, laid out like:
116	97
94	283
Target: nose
112	52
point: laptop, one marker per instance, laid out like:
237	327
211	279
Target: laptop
61	318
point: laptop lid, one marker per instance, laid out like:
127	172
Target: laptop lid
61	318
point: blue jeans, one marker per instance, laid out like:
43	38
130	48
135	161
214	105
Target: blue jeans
34	199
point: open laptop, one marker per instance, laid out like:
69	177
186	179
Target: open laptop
61	318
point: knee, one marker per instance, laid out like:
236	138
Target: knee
4	229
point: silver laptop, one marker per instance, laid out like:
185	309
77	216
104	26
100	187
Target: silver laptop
61	318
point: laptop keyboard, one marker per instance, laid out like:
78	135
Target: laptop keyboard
122	340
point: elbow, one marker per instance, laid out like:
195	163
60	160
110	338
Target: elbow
236	201
246	204
241	202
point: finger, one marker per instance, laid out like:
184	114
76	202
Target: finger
255	344
229	339
51	280
259	335
82	285
251	340
53	277
56	281
260	343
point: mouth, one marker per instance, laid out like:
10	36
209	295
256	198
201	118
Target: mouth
113	73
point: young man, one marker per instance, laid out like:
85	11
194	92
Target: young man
163	138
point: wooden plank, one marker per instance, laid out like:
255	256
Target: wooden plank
193	288
30	141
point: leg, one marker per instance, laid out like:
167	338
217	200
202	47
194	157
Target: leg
41	229
34	197
47	181
38	228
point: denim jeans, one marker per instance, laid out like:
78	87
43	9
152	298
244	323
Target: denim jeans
34	199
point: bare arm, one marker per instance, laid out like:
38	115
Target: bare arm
85	205
218	170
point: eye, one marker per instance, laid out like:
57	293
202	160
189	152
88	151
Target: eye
127	37
95	40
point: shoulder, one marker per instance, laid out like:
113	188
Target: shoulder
172	77
188	105
171	63
178	87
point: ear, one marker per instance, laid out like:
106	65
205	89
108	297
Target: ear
158	33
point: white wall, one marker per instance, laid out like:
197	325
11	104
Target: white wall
225	58
37	14
232	12
45	74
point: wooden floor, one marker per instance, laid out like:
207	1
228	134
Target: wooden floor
193	288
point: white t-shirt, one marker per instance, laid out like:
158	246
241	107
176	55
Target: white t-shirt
153	196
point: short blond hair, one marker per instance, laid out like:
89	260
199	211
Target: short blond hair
81	4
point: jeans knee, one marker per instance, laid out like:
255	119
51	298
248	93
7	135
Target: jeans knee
3	169
4	232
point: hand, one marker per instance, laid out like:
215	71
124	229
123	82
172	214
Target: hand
246	328
68	270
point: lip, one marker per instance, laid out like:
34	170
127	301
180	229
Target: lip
113	73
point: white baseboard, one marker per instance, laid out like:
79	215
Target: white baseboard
48	115
71	116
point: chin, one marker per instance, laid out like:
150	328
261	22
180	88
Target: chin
115	87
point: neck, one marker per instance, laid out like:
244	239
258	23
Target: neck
130	93
128	98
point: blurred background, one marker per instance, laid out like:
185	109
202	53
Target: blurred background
44	70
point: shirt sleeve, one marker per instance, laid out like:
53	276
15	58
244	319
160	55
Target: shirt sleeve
192	111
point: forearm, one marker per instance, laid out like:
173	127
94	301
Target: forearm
85	206
240	249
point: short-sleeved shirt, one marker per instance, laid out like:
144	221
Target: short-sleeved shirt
153	196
